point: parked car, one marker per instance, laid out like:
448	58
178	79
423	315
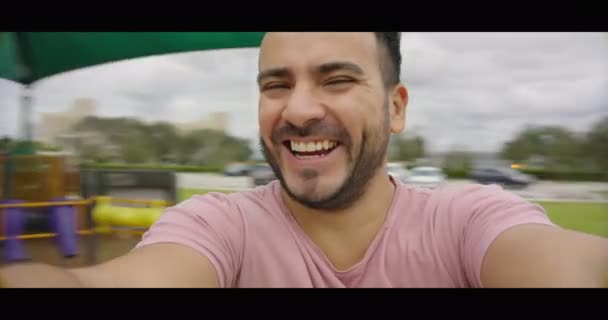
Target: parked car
261	174
397	170
506	177
426	176
237	169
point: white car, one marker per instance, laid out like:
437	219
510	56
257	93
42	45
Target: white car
427	177
398	171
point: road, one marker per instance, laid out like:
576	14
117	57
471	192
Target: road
553	190
212	181
560	190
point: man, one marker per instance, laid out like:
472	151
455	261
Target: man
334	218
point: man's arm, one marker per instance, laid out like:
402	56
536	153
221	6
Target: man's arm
154	265
535	255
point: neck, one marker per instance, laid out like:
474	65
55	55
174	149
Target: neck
369	211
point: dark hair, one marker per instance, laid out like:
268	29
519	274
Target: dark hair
390	55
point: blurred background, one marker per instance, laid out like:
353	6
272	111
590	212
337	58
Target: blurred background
528	111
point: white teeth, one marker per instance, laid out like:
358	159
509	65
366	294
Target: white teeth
311	146
308	157
331	144
297	146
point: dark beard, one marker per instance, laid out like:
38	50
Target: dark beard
367	162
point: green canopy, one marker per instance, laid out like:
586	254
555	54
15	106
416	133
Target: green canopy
26	57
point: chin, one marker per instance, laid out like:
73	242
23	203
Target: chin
316	189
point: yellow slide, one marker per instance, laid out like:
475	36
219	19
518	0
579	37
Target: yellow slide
106	215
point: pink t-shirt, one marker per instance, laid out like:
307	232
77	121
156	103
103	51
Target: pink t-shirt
430	238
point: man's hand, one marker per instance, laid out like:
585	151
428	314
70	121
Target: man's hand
544	256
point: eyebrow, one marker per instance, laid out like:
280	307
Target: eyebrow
337	66
275	72
324	68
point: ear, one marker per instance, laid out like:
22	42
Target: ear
397	108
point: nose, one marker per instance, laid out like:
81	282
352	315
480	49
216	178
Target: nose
303	107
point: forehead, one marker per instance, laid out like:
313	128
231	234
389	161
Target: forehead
294	49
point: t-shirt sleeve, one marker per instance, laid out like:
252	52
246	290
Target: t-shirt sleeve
211	224
479	214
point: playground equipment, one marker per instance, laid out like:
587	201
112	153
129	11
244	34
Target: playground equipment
29	197
64	225
38	178
110	201
35	179
108	214
67	224
145	184
14	223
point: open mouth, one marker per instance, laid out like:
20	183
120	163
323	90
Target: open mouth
311	149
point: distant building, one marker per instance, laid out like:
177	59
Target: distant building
218	121
75	143
54	125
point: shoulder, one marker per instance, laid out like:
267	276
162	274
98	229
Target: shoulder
478	214
461	221
214	224
460	208
459	198
479	209
468	199
228	203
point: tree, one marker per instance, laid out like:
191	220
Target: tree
136	153
40	146
139	142
557	145
404	148
210	147
131	136
596	146
162	138
92	152
186	146
458	160
6	144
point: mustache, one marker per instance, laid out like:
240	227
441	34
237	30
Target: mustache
340	134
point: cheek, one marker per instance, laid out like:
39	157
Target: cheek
353	118
268	119
361	102
267	114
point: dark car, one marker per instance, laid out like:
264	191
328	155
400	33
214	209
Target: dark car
503	176
237	169
261	174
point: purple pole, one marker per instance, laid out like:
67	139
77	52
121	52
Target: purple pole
63	222
14	221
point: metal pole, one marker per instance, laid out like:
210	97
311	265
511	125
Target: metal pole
26	114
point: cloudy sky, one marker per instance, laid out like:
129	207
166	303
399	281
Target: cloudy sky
467	90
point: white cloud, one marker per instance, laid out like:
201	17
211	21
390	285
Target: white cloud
478	89
466	89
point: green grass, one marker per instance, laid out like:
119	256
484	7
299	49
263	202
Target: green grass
581	216
185	193
603	193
